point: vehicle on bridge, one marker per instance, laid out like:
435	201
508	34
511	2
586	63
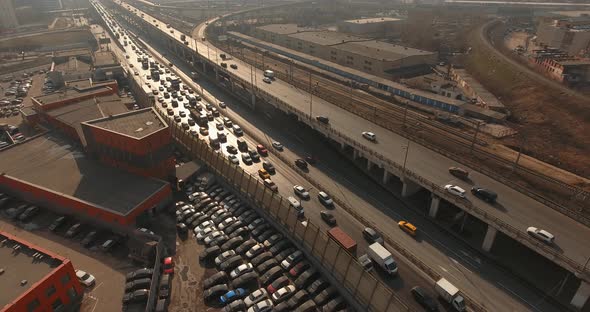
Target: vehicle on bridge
383	258
459	173
343	239
450	294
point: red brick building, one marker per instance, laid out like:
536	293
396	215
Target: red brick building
34	279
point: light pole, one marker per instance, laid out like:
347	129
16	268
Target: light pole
310	97
407	148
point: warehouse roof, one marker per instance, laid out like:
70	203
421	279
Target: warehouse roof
69	94
325	38
381	50
283	29
136	124
19	265
373	20
51	162
105	59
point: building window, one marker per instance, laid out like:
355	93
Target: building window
72	293
50	291
65	279
33	305
57	304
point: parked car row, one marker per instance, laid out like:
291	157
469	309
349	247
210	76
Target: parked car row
258	268
138	284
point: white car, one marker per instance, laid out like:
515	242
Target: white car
227	222
85	278
369	136
233	159
255	251
225	255
540	234
204	233
267	80
204	225
301	191
265	305
283	293
212	237
243	268
277	145
255	297
325	199
455	190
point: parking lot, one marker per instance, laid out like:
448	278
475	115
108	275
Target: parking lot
109	268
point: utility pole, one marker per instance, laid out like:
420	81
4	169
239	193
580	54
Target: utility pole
310	96
519	152
405	114
474	137
407	147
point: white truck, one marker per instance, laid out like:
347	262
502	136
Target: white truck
383	258
450	294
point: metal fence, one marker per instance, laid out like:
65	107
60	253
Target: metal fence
343	266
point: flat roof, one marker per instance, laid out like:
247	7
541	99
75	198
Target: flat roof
73	64
88	83
104	58
325	38
373	20
76	113
40	160
574	62
137	124
69	94
20	266
283	29
382	50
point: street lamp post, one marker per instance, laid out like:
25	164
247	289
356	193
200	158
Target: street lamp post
407	148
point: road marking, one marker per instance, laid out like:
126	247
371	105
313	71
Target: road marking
443	268
515	294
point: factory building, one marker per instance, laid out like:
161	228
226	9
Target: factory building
571	35
376	26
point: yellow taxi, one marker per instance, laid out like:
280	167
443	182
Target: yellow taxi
263	174
408	227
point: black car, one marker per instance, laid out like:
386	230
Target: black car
302	164
244	279
181	228
424	299
270	275
268	167
241	231
265	235
307	306
325	295
74	230
297	298
89	238
317	286
29	213
372	236
142	283
18	211
235	306
109	243
245	246
140	273
266	265
306	278
328	217
232	243
219	240
335	304
260	229
323	119
59	221
210	253
234	226
140	295
215	291
280	246
231	263
484	194
256	261
215	279
284	254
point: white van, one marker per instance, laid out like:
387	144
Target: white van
237	130
295	204
269	73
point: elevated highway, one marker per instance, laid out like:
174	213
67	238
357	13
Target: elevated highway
416	166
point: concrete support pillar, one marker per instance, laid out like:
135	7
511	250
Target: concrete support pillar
342	145
369	165
355	154
581	295
386	176
434	204
204	67
489	239
409	187
253	100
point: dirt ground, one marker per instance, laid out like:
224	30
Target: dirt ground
553	123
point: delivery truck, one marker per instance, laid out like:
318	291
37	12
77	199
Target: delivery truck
450	294
383	258
342	239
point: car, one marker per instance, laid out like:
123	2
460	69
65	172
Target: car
291	260
302	164
328	217
215	279
214	235
224	256
246	159
325	199
484	194
407	227
372	236
255	251
237	305
278	283
540	234
231	149
85	278
262	150
335	304
267	80
301	192
203	226
296	299
241	269
369	136
455	190
232	228
280	246
262	306
283	294
230	263
323	119
140	295
142	283
459	173
256	261
234	66
201	235
215	291
299	268
233	295
307	306
110	243
219	240
317	286
181	228
244	279
268	167
255	297
269	242
271	185
74	230
270	275
284	254
203	131
266	265
265	235
325	295
227	222
233	159
244	247
168	265
424	299
277	145
29	213
263	174
89	238
232	243
306	278
140	273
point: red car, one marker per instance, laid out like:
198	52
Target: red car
262	150
299	268
168	266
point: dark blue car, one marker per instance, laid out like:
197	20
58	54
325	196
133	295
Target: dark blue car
232	295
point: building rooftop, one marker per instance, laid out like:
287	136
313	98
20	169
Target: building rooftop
381	50
105	59
90	109
373	20
284	29
137	124
40	160
325	38
18	263
87	83
73	64
69	94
